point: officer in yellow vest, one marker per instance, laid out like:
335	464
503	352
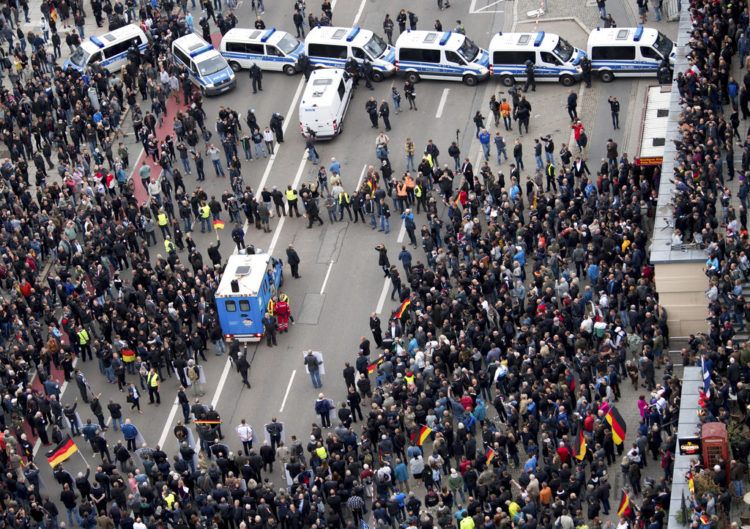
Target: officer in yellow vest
419	195
292	197
169	246
345	203
321	452
163	221
205	216
409	378
152	383
83	343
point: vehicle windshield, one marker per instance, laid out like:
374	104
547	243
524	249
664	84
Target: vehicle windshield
80	56
287	44
564	50
663	45
212	65
468	50
376	46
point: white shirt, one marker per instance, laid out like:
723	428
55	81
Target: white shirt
245	432
139	525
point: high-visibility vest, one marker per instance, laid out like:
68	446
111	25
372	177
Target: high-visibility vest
418	191
321	453
343	198
291	195
83	337
162	219
205	211
153	379
169	246
169	500
409	380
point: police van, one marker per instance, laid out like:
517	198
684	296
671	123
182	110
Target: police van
109	50
331	47
206	67
270	49
324	103
247	285
441	55
628	52
554	58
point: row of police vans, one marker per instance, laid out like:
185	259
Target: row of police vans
614	52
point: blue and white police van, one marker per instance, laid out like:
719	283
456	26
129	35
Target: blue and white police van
271	49
206	67
247	285
553	57
332	47
445	55
109	50
628	52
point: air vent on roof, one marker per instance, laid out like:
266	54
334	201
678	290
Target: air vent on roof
195	46
254	34
662	112
659	142
339	34
108	37
622	34
524	39
242	270
430	38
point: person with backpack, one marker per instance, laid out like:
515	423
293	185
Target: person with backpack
323	407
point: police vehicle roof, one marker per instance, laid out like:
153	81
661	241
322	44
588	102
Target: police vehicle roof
264	36
538	40
430	39
613	36
355	36
248	270
194	46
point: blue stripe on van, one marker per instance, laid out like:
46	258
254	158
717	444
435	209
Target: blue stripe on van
256	57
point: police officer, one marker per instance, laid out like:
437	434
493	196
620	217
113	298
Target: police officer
163	220
169	246
292	197
367	73
371	106
205	212
256	75
586	71
530	79
664	73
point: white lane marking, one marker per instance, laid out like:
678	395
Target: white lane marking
286	393
361	177
473	10
383	294
325	281
441	105
401	232
359	12
222	381
280	225
168	425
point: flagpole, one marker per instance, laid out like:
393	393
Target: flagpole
84	459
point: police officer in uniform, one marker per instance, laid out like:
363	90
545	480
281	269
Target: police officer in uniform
163	220
367	73
256	75
586	70
530	79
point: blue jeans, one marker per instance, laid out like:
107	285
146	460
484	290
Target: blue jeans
248	152
220	347
217	167
410	162
500	152
486	150
539	162
186	164
259	150
205	225
187	225
74	512
385	224
312	155
116	424
315	377
550	157
738	488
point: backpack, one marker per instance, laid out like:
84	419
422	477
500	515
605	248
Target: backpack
192	374
321	406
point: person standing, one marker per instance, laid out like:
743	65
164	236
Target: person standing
384	112
245	433
388	28
371	107
152	383
243	366
411	95
614	108
530	77
572	106
323	407
313	368
299	23
269	327
256	76
293	259
292	198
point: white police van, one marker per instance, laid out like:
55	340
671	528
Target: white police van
628	52
435	55
270	49
324	102
331	47
206	67
554	58
109	50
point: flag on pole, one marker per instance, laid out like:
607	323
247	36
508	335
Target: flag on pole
706	378
61	452
402	309
489	456
219	224
624	508
374	366
422	435
580	446
617	424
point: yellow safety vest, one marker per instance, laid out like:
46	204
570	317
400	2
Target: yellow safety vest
418	191
291	195
162	219
321	453
205	212
83	337
153	379
169	499
169	246
343	198
409	380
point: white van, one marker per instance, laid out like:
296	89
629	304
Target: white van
270	49
206	67
109	50
554	58
628	52
325	102
331	47
434	55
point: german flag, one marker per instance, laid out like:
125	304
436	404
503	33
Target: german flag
691	482
617	424
421	436
219	224
624	508
402	309
580	446
374	366
61	452
207	421
489	456
128	355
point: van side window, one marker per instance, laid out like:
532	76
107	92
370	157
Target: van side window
116	49
273	50
95	57
194	67
244	305
613	53
359	53
236	47
327	50
420	55
549	58
230	305
650	53
452	56
342	90
513	57
181	55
